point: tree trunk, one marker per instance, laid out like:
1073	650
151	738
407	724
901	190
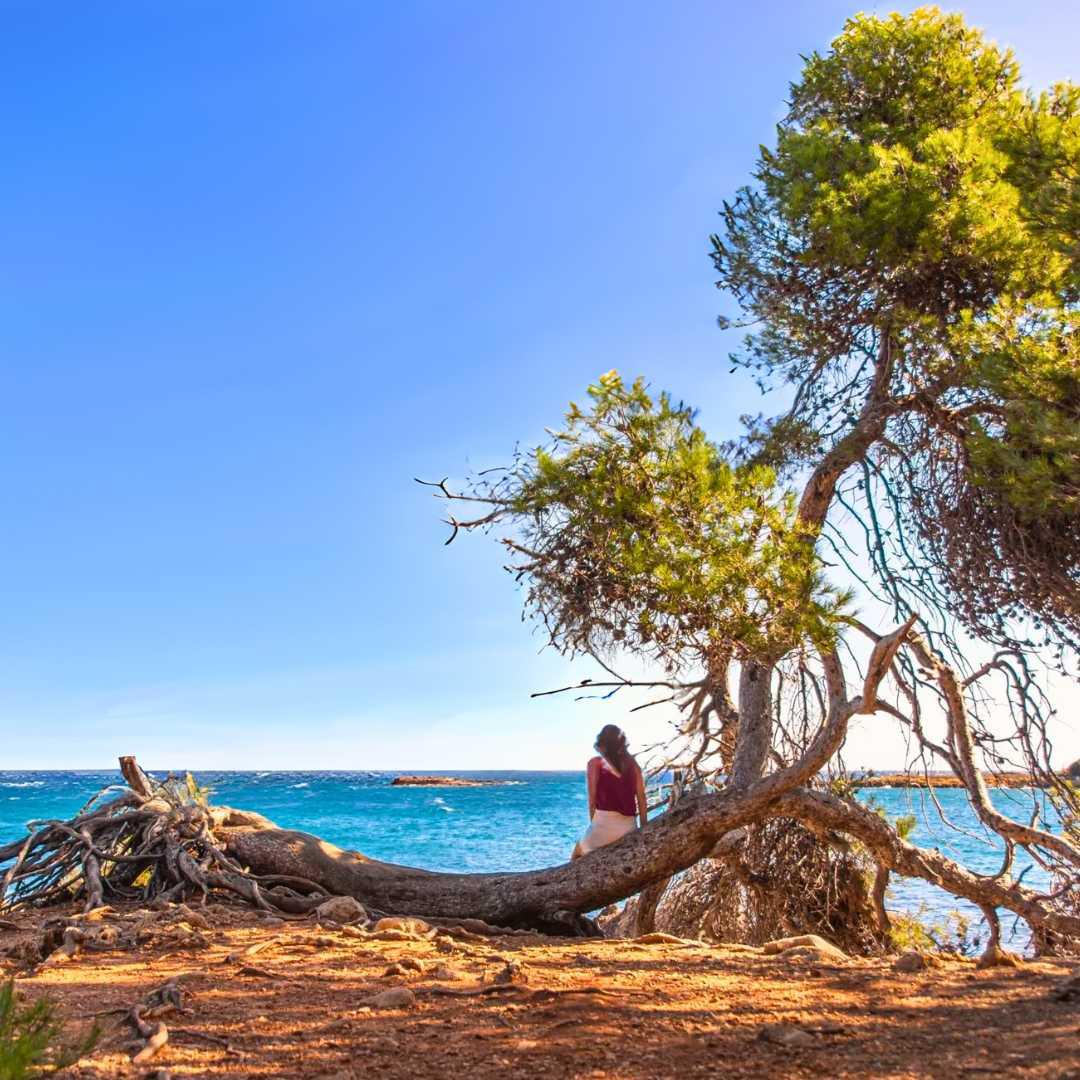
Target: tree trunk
551	899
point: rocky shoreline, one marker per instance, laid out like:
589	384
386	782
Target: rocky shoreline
942	780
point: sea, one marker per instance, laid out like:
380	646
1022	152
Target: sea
523	821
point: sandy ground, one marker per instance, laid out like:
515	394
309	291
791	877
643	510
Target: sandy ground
263	998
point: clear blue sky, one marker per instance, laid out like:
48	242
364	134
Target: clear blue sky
265	262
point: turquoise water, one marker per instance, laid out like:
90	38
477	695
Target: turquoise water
529	820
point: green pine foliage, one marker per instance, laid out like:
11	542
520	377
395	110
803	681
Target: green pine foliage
918	197
33	1041
639	534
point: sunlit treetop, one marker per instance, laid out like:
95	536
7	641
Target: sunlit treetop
907	258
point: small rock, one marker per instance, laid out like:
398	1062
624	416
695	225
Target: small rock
405	925
513	973
355	932
810	941
400	997
913	961
341	909
272	921
808	954
394	935
787	1035
446	973
409	966
446	945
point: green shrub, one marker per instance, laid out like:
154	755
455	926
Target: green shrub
32	1038
915	930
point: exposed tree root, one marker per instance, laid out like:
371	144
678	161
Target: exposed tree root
780	878
156	842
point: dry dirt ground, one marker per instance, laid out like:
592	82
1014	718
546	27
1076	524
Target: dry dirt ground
263	998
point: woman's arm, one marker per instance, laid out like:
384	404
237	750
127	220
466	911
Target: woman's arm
642	803
590	776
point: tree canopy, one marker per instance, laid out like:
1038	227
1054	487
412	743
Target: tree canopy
636	533
921	208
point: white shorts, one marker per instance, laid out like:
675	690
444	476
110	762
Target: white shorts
607	827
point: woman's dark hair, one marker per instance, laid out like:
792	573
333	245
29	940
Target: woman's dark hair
611	745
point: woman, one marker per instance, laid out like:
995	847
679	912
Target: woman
616	792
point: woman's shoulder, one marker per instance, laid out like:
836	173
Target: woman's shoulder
595	762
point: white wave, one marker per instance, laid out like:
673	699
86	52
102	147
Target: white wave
304	784
23	783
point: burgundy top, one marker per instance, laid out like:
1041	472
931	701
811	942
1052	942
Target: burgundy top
615	792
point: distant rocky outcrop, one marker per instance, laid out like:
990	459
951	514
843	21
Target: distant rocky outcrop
943	780
443	781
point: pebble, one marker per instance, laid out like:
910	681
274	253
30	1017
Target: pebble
405	925
341	909
400	997
447	973
787	1035
408	966
815	947
394	935
913	961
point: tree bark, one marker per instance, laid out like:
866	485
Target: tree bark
755	723
549	899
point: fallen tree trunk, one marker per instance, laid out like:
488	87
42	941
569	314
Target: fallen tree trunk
172	845
551	899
